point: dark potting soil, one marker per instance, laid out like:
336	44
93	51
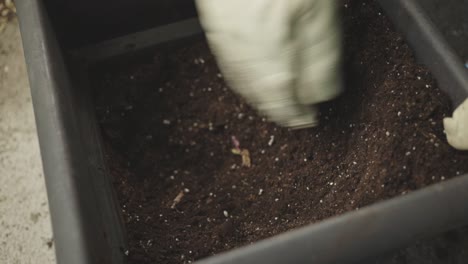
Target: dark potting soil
167	121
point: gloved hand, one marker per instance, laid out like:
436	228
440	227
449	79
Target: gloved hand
283	56
456	127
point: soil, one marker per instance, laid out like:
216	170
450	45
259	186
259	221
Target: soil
167	121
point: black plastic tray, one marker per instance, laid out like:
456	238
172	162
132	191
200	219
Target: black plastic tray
86	221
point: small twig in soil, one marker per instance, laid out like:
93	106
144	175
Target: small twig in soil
177	199
244	153
246	162
271	141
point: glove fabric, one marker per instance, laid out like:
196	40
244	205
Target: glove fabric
456	127
283	56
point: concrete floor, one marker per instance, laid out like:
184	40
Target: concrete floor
25	229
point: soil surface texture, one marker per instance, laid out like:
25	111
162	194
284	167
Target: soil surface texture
168	120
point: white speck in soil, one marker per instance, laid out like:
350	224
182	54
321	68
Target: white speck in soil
276	159
307	188
240	116
260	192
442	178
271	141
419	77
225	213
262	151
276	199
276	218
408	153
331	183
387	133
321	201
305	160
127	252
186	190
219	75
355	163
160	89
166	122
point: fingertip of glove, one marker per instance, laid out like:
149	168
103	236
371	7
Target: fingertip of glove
301	122
304	126
449	126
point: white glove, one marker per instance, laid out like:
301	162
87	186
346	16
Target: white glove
456	127
283	56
